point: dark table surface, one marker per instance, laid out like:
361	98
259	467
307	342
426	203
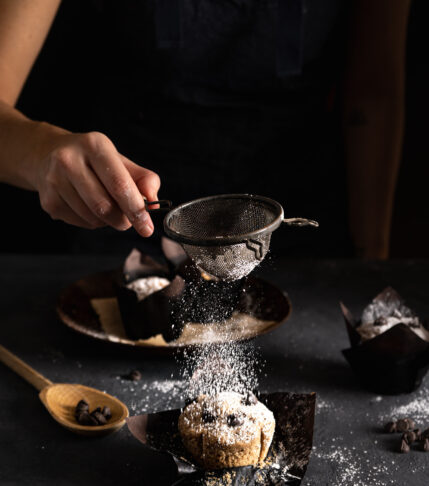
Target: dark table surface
302	355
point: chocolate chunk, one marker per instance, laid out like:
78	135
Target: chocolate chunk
98	409
234	420
99	417
133	375
380	321
208	417
425	434
418	433
82	405
390	427
84	418
404	447
409	436
425	445
250	399
411	423
106	412
402	425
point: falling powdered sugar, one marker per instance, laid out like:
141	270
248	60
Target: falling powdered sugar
213	369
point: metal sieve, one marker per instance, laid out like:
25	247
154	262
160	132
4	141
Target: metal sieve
227	235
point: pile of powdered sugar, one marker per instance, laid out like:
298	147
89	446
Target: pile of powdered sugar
147	286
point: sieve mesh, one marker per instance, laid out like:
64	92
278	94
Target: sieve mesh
229	262
226	236
222	217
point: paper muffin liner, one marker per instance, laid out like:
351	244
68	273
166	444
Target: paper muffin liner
392	362
188	298
287	459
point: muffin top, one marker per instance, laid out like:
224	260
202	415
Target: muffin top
386	311
228	418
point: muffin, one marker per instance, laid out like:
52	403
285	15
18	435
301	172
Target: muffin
227	430
389	345
388	310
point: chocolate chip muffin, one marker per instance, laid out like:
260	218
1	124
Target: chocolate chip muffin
227	430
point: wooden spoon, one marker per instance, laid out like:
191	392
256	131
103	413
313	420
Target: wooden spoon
61	399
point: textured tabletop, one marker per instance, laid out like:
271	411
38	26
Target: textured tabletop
302	355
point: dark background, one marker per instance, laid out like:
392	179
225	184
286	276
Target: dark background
29	229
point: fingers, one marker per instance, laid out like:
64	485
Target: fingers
73	200
95	196
110	169
88	183
147	181
58	209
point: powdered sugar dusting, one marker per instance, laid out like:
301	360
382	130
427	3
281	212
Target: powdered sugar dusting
254	419
417	408
212	369
147	286
348	467
385	311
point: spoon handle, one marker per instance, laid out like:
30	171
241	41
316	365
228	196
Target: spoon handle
23	370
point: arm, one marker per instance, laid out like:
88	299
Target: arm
374	119
81	178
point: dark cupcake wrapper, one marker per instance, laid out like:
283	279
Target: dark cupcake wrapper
287	458
150	316
391	363
188	297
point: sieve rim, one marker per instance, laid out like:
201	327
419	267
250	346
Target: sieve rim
229	239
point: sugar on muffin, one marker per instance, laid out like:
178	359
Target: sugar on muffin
227	430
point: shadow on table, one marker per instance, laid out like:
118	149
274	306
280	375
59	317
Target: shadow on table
310	373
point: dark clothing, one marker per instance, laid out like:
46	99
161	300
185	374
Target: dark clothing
216	96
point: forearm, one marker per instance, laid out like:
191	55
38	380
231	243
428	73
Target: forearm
373	136
22	142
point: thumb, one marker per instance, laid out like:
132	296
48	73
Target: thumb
147	181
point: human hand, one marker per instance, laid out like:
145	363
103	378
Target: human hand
83	180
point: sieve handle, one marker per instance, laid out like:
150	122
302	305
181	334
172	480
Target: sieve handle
164	205
301	222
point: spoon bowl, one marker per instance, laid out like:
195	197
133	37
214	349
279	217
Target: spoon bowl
60	399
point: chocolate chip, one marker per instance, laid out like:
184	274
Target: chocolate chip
99	417
410	437
106	412
134	375
390	427
425	445
250	399
380	321
404	447
98	409
425	434
82	405
418	433
207	417
402	425
233	420
84	418
411	423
